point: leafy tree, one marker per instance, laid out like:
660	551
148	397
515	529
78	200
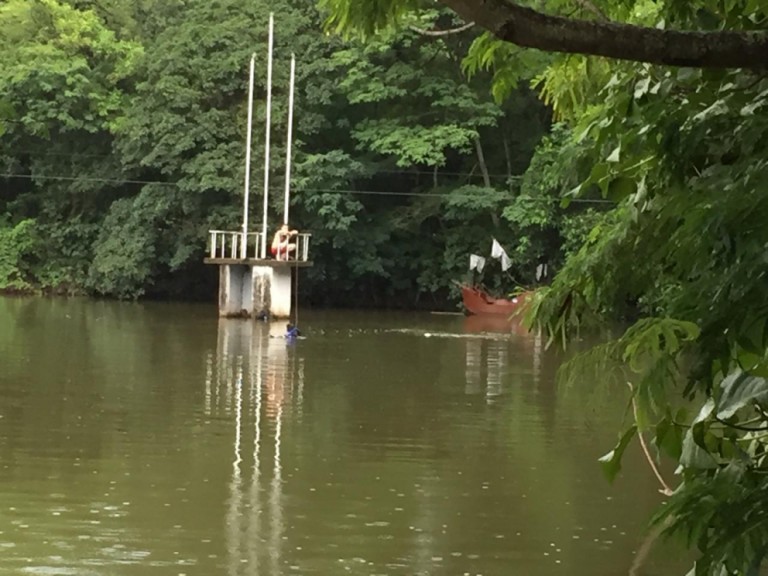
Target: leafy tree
397	182
62	82
15	243
420	135
685	248
523	26
681	256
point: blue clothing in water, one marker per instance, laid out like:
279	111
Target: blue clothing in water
292	332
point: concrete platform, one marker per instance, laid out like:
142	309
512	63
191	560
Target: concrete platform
252	288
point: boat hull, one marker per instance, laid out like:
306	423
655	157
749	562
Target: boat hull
477	301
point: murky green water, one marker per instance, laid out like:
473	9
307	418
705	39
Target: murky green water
143	439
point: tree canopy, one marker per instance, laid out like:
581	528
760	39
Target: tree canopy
122	146
601	35
680	257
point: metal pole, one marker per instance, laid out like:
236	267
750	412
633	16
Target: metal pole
266	139
247	191
290	133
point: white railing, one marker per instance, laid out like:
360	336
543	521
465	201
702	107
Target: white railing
229	244
302	247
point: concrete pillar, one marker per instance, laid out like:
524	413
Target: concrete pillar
247	292
231	289
250	290
261	292
281	293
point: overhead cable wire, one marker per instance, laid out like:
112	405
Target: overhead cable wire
297	189
374	171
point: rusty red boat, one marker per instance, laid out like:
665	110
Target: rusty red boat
478	301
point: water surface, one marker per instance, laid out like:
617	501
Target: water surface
154	439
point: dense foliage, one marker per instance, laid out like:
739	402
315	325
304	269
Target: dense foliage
681	256
122	132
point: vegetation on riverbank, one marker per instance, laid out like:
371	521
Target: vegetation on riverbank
122	135
680	150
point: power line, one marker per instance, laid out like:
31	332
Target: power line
87	179
318	190
412	172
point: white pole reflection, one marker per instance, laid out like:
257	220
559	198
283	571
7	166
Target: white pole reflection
278	365
208	382
276	500
255	377
473	370
537	357
254	526
235	500
498	358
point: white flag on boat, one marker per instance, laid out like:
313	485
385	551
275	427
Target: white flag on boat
476	262
496	249
498	252
506	263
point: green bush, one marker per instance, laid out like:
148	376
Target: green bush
16	243
124	253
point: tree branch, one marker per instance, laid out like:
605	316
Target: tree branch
740	427
665	489
443	32
528	28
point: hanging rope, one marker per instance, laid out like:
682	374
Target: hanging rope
296	297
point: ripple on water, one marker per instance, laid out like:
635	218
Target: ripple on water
55	571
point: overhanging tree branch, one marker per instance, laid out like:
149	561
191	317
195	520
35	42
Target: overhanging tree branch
443	32
526	27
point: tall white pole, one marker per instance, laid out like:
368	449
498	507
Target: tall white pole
290	133
266	139
246	194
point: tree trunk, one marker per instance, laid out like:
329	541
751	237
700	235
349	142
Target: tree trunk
486	175
481	162
507	154
526	27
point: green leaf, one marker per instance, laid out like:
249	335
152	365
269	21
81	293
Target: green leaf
738	390
621	187
641	88
694	456
611	462
669	438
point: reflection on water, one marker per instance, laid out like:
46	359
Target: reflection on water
486	366
489	341
256	377
157	439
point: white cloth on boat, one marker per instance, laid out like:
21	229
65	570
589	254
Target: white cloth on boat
498	252
476	262
496	249
506	262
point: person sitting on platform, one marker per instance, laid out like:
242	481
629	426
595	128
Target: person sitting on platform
281	243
